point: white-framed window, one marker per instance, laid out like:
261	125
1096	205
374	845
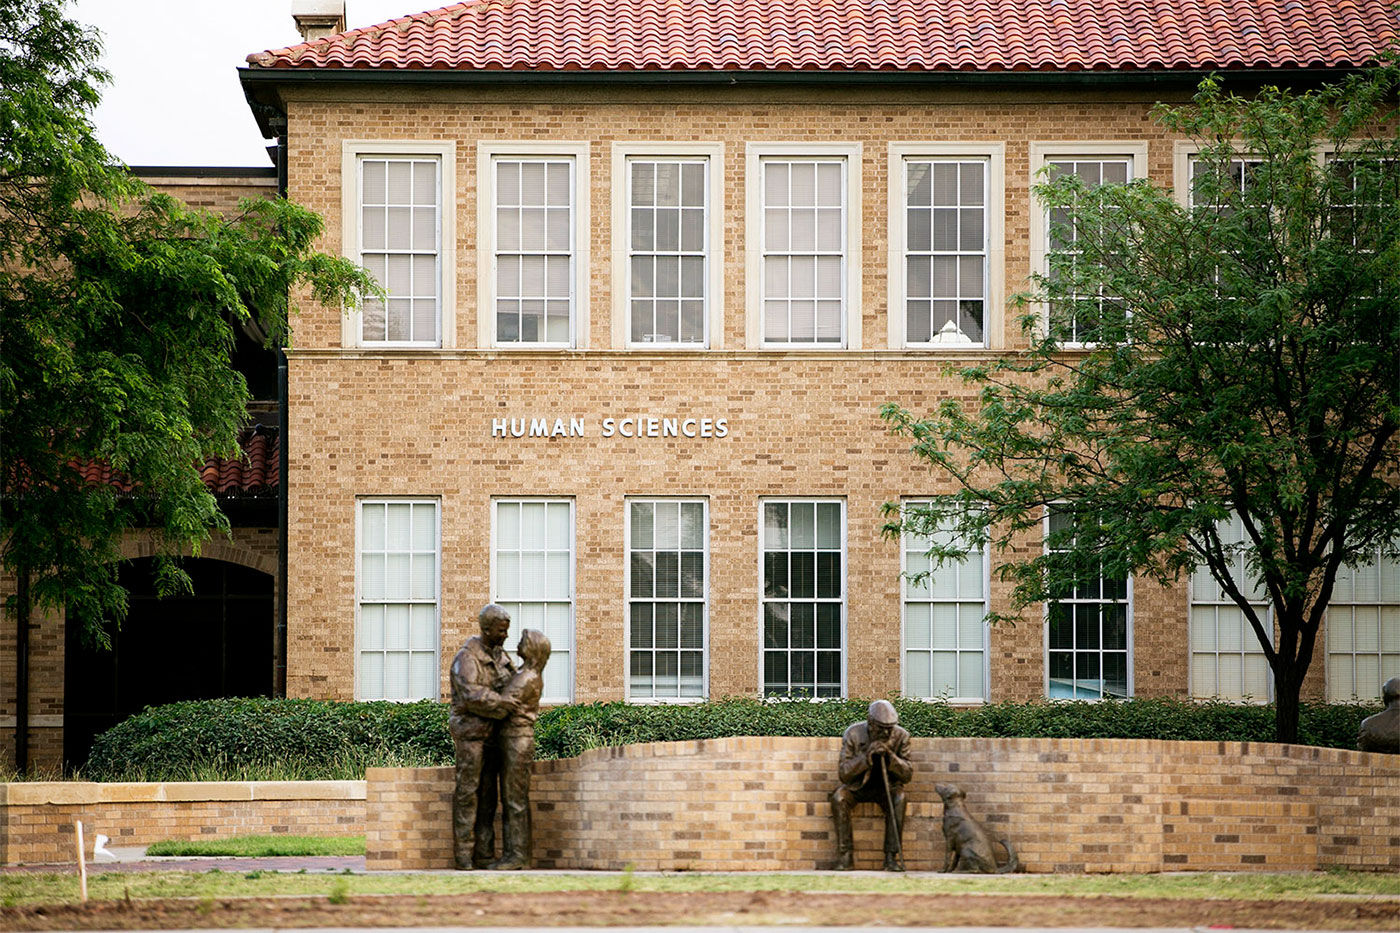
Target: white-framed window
1366	183
945	633
1054	233
534	230
667	592
668	250
947	255
396	626
532	577
1363	629
804	244
945	251
803	596
1088	633
394	225
1227	661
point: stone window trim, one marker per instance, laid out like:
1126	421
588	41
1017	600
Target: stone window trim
353	151
712	154
993	153
1044	152
363	598
704	601
983	562
561	665
851	157
763	600
1129	649
487	154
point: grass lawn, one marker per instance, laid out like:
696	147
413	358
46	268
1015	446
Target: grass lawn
262	846
24	889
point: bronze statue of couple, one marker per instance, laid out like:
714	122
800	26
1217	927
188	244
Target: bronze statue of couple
494	707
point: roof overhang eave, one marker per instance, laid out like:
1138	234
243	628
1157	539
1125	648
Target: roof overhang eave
261	86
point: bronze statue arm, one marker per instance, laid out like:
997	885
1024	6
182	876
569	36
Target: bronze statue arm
900	768
479	700
854	762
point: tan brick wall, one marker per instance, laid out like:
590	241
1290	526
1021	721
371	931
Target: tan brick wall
36	820
1067	805
417	423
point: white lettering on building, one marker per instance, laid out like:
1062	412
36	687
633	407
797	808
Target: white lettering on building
632	426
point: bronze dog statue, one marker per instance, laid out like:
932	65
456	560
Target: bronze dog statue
969	845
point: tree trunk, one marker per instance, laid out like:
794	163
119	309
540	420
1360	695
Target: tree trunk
1288	684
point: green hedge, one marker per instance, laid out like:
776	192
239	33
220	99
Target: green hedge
263	739
312	739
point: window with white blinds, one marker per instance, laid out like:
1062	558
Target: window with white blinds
804	597
668	229
1363	630
667	576
534	251
945	637
533	578
1227	661
396	638
945	251
400	245
804	250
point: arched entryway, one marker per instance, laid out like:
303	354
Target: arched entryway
217	642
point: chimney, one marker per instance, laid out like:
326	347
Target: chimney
317	19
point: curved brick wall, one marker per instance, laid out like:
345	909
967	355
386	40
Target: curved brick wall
1102	805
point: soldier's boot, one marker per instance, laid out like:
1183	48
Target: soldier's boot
845	843
894	861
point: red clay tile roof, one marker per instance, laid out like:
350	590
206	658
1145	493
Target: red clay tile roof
900	35
254	474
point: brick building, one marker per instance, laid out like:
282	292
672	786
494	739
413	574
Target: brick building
652	267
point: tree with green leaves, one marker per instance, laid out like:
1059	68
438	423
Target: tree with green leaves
1209	387
117	315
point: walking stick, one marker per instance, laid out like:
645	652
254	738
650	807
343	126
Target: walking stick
889	803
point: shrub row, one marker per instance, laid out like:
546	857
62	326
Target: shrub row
312	739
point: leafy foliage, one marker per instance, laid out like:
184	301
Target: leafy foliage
1189	363
117	309
315	739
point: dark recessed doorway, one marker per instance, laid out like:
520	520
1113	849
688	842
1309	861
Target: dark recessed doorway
217	642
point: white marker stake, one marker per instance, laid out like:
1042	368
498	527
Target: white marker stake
82	864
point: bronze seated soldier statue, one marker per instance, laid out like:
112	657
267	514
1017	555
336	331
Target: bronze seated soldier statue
874	767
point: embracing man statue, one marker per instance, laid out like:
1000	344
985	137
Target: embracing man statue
494	707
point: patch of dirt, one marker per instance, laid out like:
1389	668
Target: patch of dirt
616	908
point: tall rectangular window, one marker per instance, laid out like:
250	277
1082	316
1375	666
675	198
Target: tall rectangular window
945	637
533	578
668	229
1363	630
1088	637
666	590
1227	661
804	594
396	633
400	244
945	251
534	250
804	250
1079	319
